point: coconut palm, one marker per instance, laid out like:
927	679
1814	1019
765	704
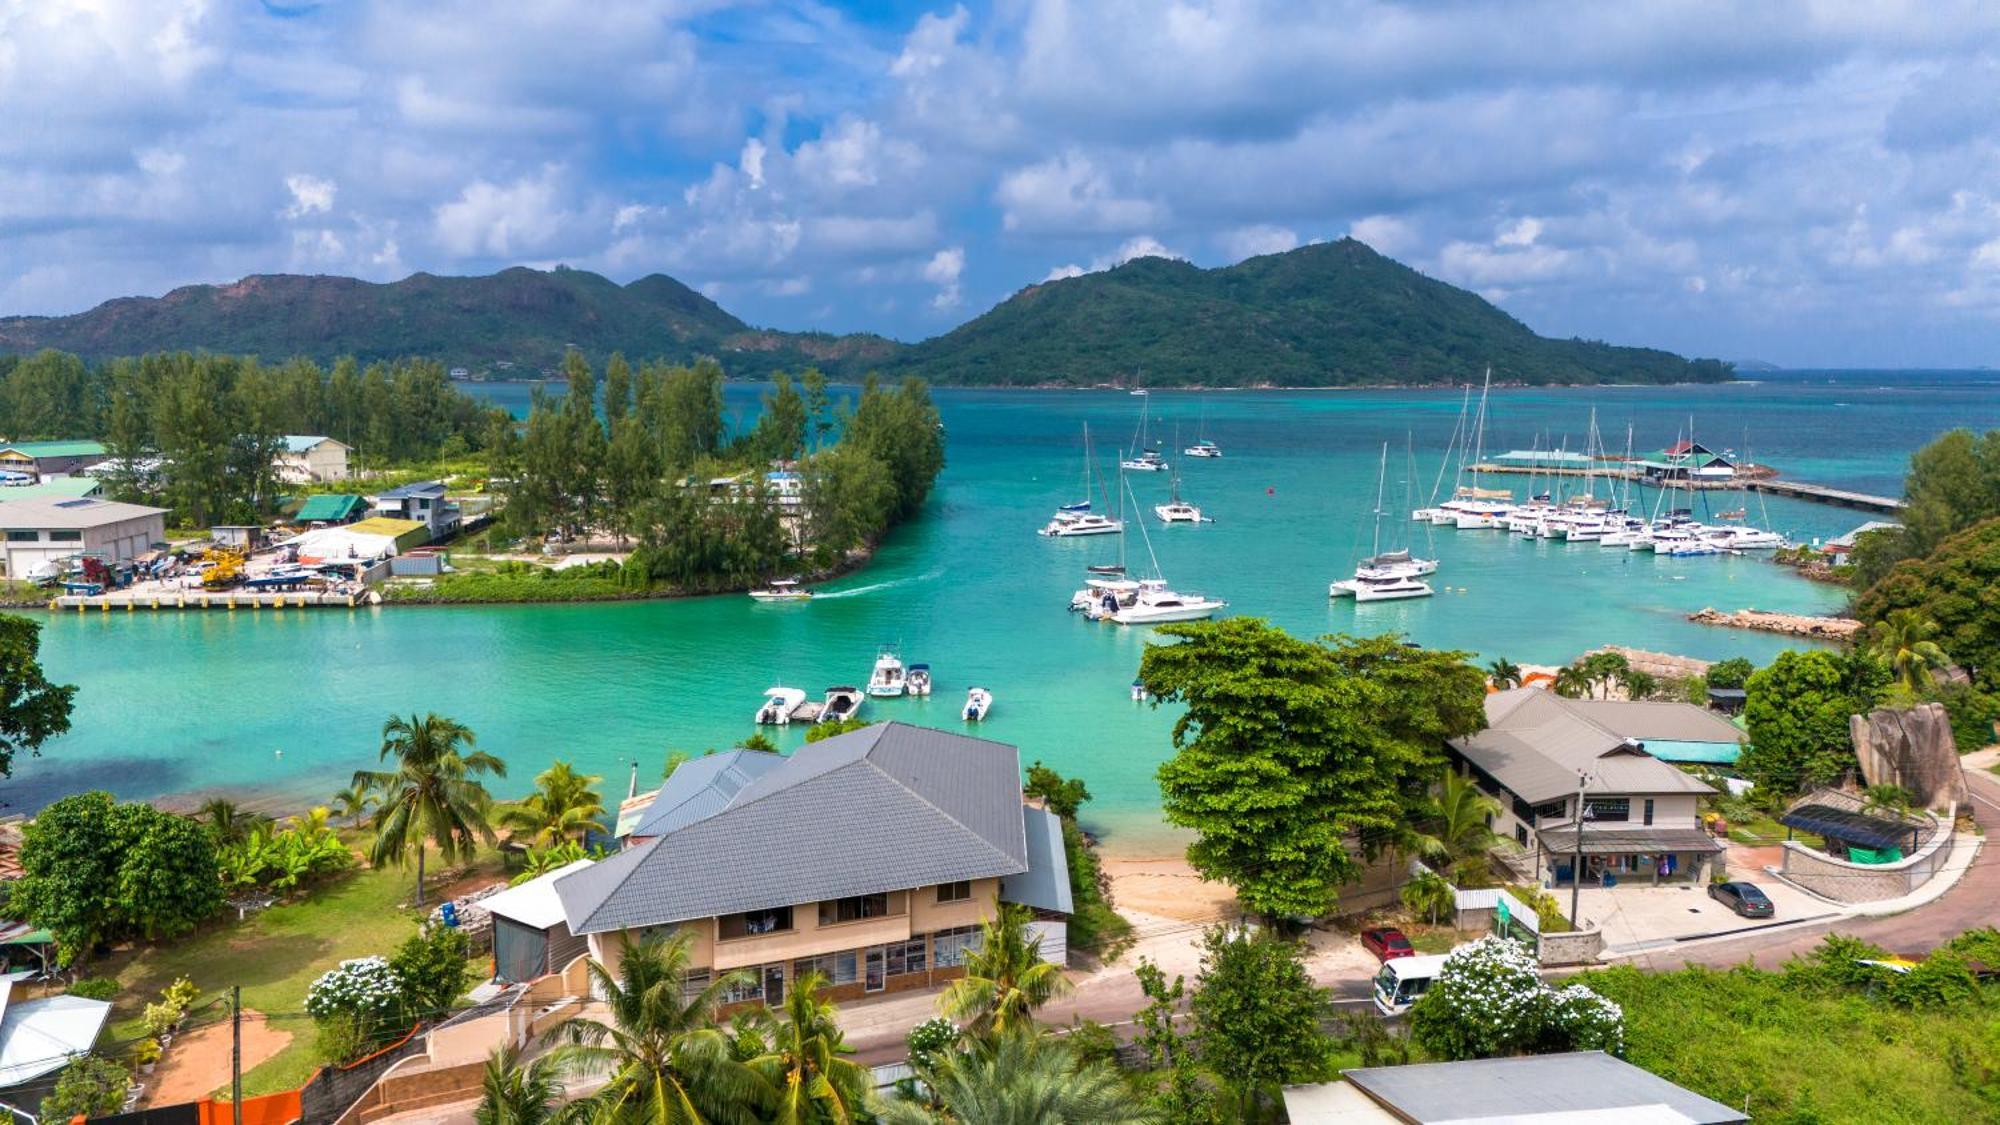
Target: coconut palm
1571	682
805	1062
512	1094
1903	641
228	821
667	1059
564	806
1503	674
1022	1079
1429	895
1455	829
431	797
1005	978
354	802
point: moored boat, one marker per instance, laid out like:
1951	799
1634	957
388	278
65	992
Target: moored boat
779	704
918	680
842	702
887	680
978	702
782	590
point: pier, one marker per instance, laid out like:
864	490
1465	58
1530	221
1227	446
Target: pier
128	601
1803	491
1758	479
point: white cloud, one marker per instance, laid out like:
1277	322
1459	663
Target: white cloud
311	195
1385	234
1521	232
1143	246
1256	239
505	221
1070	193
943	271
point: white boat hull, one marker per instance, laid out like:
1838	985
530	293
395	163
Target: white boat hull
1179	513
1077	529
1143	466
1161	615
782	596
1361	591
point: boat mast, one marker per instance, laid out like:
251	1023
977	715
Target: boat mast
1457	429
1381	477
1479	430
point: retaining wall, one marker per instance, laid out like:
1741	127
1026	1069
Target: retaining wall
1842	881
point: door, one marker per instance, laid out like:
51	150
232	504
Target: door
878	970
774	985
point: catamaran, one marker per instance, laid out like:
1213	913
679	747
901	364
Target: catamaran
1177	510
1076	519
1203	447
1383	576
1145	457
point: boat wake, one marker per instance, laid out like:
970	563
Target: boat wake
873	587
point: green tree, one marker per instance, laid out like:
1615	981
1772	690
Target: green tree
1183	1098
1953	586
1430	896
1797	710
781	429
1257	1014
1603	669
1571	682
1903	640
1292	757
1503	674
564	806
849	496
354	802
513	1094
818	409
434	969
228	821
95	871
1005	978
1063	796
618	387
1731	673
32	710
667	1059
806	1062
87	1087
1022	1079
432	797
167	872
1455	829
819	732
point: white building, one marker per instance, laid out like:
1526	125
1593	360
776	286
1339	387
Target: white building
310	457
40	531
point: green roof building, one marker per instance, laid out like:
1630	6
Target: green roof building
332	507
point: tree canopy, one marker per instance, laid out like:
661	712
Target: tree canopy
1256	1016
1953	483
32	710
95	871
1797	710
1293	758
1957	587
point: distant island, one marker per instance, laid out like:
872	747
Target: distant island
1328	315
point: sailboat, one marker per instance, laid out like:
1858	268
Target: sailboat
1153	602
1203	447
1145	458
1477	508
1383	577
1077	519
1177	510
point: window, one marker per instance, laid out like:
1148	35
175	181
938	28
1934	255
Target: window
1649	810
1553	810
1523	810
834	911
741	990
693	983
906	956
24	537
65	536
837	968
1521	834
948	946
1604	809
960	891
750	923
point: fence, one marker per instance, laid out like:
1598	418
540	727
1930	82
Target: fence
329	1093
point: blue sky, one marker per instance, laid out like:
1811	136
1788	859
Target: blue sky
1812	184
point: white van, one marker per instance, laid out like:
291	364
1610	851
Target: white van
1402	982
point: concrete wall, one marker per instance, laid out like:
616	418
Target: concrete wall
1578	947
1842	881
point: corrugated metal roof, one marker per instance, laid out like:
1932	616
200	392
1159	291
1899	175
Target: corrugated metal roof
329	506
1648	719
55	488
1537	742
56	448
72	514
888	807
1045	884
1622	839
1567	1087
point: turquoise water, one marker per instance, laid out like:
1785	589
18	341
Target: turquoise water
286	704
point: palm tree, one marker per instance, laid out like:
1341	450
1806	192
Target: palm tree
1903	641
564	806
1022	1079
805	1062
1503	674
1005	978
667	1058
431	797
1571	683
1456	828
1429	895
513	1094
354	802
228	821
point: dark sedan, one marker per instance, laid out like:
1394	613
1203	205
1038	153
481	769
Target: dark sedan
1387	943
1744	898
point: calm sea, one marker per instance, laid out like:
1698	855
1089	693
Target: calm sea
287	704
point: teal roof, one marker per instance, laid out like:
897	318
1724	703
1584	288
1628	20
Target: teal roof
330	506
299	443
61	488
56	448
1706	753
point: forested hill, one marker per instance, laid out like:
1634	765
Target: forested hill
1334	314
1327	315
521	318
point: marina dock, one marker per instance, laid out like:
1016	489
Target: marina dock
1766	481
1825	495
127	601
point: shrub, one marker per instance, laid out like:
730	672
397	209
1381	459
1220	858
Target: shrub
432	972
366	988
1490	1000
161	1018
88	1087
1731	673
1577	1019
931	1040
181	994
1938	981
94	988
147	1052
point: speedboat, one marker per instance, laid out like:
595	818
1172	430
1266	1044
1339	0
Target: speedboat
1147	461
779	703
1137	392
1203	448
782	590
918	681
1068	524
1155	604
1380	588
1101	596
887	680
978	701
841	703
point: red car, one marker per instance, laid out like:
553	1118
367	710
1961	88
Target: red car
1387	943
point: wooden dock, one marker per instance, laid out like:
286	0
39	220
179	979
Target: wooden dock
129	601
1803	491
1773	484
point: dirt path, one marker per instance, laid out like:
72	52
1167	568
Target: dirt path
197	1064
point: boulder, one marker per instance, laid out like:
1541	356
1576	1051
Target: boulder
1912	748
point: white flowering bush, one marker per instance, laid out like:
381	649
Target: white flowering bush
1489	1000
365	987
929	1040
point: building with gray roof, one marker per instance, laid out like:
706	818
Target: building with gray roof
868	856
1641	815
1565	1088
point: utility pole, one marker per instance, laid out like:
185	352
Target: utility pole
236	1054
1576	862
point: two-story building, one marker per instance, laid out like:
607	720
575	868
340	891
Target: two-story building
35	533
422	502
871	857
1539	750
44	459
304	458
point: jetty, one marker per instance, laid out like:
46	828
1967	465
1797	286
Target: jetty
128	601
1790	624
1751	478
1825	495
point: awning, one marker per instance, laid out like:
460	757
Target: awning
1609	840
31	937
38	1037
1878	832
534	903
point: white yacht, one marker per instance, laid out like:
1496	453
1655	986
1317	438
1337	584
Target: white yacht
1068	524
1480	515
918	680
782	590
1177	510
1145	456
1741	537
978	702
842	702
1155	604
1399	561
1203	448
1380	589
779	703
1100	596
887	680
1383	566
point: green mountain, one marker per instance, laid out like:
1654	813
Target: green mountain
520	318
1335	314
1328	315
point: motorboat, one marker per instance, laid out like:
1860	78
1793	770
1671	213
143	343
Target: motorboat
1138	392
1155	604
888	679
1102	594
779	703
1380	589
842	702
1146	461
978	701
48	571
918	680
1203	448
1067	525
782	590
1739	537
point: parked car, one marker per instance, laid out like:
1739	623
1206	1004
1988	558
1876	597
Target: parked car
1744	898
1387	943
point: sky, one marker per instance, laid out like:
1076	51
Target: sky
1810	184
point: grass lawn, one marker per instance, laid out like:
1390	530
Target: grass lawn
273	955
